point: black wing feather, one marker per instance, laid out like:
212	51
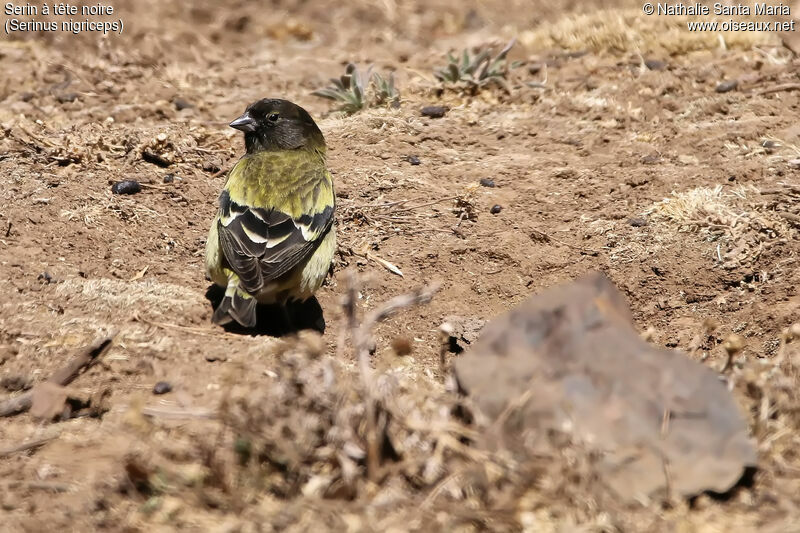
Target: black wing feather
244	241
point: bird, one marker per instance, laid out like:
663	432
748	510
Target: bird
273	238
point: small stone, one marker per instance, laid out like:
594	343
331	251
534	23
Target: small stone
487	182
45	276
434	111
496	209
727	86
156	159
770	145
637	222
386	155
211	358
655	64
414	160
169	178
181	104
210	166
67	98
794	163
535	68
162	387
126	187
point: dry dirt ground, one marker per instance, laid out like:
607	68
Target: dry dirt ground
614	152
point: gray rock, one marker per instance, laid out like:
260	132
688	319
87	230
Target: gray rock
572	349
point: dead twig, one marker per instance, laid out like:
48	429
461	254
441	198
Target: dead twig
28	445
542	236
361	341
189	329
419	296
64	376
786	189
40	140
52	486
179	414
426	204
349	307
220	172
780	88
383	262
792	218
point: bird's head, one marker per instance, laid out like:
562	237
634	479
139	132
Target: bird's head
273	124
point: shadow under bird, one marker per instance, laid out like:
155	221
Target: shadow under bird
273	238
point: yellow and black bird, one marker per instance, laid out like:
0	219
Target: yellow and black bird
273	238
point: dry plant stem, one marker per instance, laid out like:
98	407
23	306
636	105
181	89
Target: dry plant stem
360	336
63	376
349	307
220	172
27	445
52	486
568	245
179	414
779	88
444	340
434	202
794	219
189	329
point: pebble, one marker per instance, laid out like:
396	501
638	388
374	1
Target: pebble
637	222
210	166
487	182
727	86
794	163
181	104
655	64
162	387
414	160
496	209
169	178
126	187
434	111
67	98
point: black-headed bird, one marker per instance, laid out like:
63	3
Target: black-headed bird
273	238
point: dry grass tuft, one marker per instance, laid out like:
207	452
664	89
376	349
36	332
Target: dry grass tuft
743	221
630	31
115	295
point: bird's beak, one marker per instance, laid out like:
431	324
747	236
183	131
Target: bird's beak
244	123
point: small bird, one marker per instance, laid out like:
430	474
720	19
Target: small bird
273	238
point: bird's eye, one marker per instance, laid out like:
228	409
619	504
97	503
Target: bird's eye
273	117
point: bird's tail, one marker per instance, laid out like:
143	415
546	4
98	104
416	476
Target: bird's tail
237	305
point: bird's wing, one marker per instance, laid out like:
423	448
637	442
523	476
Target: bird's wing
265	233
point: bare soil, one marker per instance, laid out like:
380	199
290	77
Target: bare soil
597	132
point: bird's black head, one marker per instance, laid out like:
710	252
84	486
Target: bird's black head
273	124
